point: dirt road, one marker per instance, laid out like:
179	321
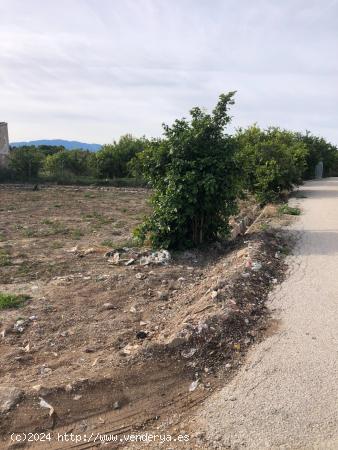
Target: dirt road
286	395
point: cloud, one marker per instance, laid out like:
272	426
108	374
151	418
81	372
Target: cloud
92	70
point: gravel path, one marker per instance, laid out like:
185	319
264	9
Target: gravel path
286	394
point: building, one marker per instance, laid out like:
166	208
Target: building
4	143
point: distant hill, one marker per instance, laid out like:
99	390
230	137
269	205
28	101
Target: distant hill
69	145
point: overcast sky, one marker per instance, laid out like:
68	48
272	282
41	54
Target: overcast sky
92	70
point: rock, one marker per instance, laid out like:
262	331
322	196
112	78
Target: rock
45	370
129	262
108	306
160	257
133	310
116	405
89	350
256	265
141	334
163	295
44	404
115	259
193	386
77	397
214	294
88	251
189	352
142	323
41	390
19	326
129	349
9	397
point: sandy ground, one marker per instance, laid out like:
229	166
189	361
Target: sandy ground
286	394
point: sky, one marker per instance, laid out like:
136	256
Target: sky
93	70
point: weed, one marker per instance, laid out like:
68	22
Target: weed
29	232
57	244
89	195
8	301
108	243
77	234
5	259
286	209
47	222
264	226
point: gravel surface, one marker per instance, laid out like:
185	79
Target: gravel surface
286	394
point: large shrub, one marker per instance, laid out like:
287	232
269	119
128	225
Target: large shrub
271	161
319	150
25	162
66	163
193	174
112	159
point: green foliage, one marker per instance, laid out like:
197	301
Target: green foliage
319	150
5	259
68	163
25	162
271	161
112	159
8	301
286	209
193	174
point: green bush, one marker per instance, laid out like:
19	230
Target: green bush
319	150
25	162
112	160
194	177
271	161
286	209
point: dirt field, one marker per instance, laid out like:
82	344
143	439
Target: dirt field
112	343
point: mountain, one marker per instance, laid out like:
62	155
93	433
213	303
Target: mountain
69	145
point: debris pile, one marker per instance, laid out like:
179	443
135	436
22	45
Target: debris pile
127	256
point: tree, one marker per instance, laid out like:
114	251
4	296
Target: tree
318	150
25	162
194	177
271	161
112	159
69	162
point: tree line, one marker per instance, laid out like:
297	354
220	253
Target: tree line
56	163
196	169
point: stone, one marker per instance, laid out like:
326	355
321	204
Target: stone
129	262
163	295
9	397
193	386
141	334
108	306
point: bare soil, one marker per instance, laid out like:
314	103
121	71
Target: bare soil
119	347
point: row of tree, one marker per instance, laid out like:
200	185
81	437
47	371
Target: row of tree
55	162
197	171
